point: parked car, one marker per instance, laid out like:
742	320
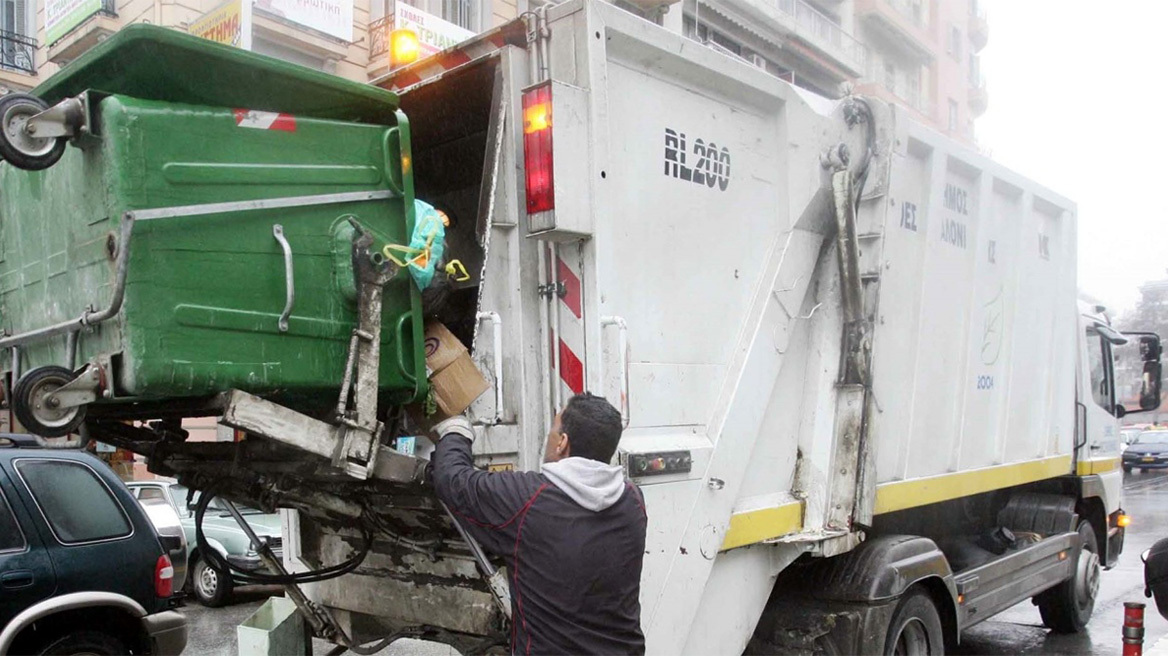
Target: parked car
1148	451
168	523
222	533
82	570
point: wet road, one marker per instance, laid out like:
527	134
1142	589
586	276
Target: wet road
1020	631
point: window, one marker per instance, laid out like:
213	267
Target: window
914	87
17	42
726	42
150	493
1100	370
179	494
11	539
953	115
954	45
76	504
890	76
14	17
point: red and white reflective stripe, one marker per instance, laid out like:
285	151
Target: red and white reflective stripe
514	33
251	118
570	342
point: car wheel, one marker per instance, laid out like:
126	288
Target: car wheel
1127	469
85	643
1067	607
210	586
915	629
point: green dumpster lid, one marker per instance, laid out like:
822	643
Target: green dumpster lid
158	63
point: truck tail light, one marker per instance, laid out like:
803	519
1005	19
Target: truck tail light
163	577
537	148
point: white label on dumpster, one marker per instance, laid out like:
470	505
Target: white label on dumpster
250	118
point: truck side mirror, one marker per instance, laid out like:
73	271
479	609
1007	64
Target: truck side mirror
1150	390
1138	373
1150	351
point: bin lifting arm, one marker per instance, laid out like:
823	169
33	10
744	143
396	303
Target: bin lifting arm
360	432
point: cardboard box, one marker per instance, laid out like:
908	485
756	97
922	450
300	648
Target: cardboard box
441	347
455	379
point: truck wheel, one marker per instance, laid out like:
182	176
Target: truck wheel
85	642
1067	607
211	587
915	629
34	413
23	150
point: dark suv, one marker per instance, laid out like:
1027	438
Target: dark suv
82	570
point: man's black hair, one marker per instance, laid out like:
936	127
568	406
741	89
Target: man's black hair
593	427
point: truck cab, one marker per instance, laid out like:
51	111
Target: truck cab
1118	374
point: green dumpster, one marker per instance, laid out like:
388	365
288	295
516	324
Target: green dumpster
236	182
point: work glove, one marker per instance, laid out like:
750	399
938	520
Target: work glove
456	425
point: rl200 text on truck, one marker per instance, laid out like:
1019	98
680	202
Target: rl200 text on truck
861	399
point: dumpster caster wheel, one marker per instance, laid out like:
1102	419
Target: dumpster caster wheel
34	412
24	150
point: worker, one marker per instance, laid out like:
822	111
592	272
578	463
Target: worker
572	535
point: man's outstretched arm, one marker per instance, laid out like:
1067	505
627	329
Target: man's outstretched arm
487	503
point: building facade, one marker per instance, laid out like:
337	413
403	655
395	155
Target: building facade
344	37
920	54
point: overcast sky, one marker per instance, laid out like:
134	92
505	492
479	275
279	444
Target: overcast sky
1077	94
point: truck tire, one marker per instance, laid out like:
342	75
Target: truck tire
1067	607
85	642
210	586
915	628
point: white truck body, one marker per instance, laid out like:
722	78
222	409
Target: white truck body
712	312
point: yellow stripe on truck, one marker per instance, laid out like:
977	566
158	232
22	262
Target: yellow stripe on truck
1103	465
757	525
900	495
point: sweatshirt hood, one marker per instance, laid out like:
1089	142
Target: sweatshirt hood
590	483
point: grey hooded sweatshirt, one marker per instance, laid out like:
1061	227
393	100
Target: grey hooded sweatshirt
573	538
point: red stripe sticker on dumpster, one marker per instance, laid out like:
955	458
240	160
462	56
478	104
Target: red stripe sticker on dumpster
250	118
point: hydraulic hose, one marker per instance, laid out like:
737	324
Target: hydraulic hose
221	564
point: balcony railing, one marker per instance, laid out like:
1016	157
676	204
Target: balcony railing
379	36
821	30
913	12
17	53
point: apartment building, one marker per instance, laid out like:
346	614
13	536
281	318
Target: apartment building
921	54
344	37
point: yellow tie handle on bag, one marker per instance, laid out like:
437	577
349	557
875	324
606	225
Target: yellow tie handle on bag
456	271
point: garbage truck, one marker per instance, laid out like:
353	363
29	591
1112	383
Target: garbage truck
862	400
